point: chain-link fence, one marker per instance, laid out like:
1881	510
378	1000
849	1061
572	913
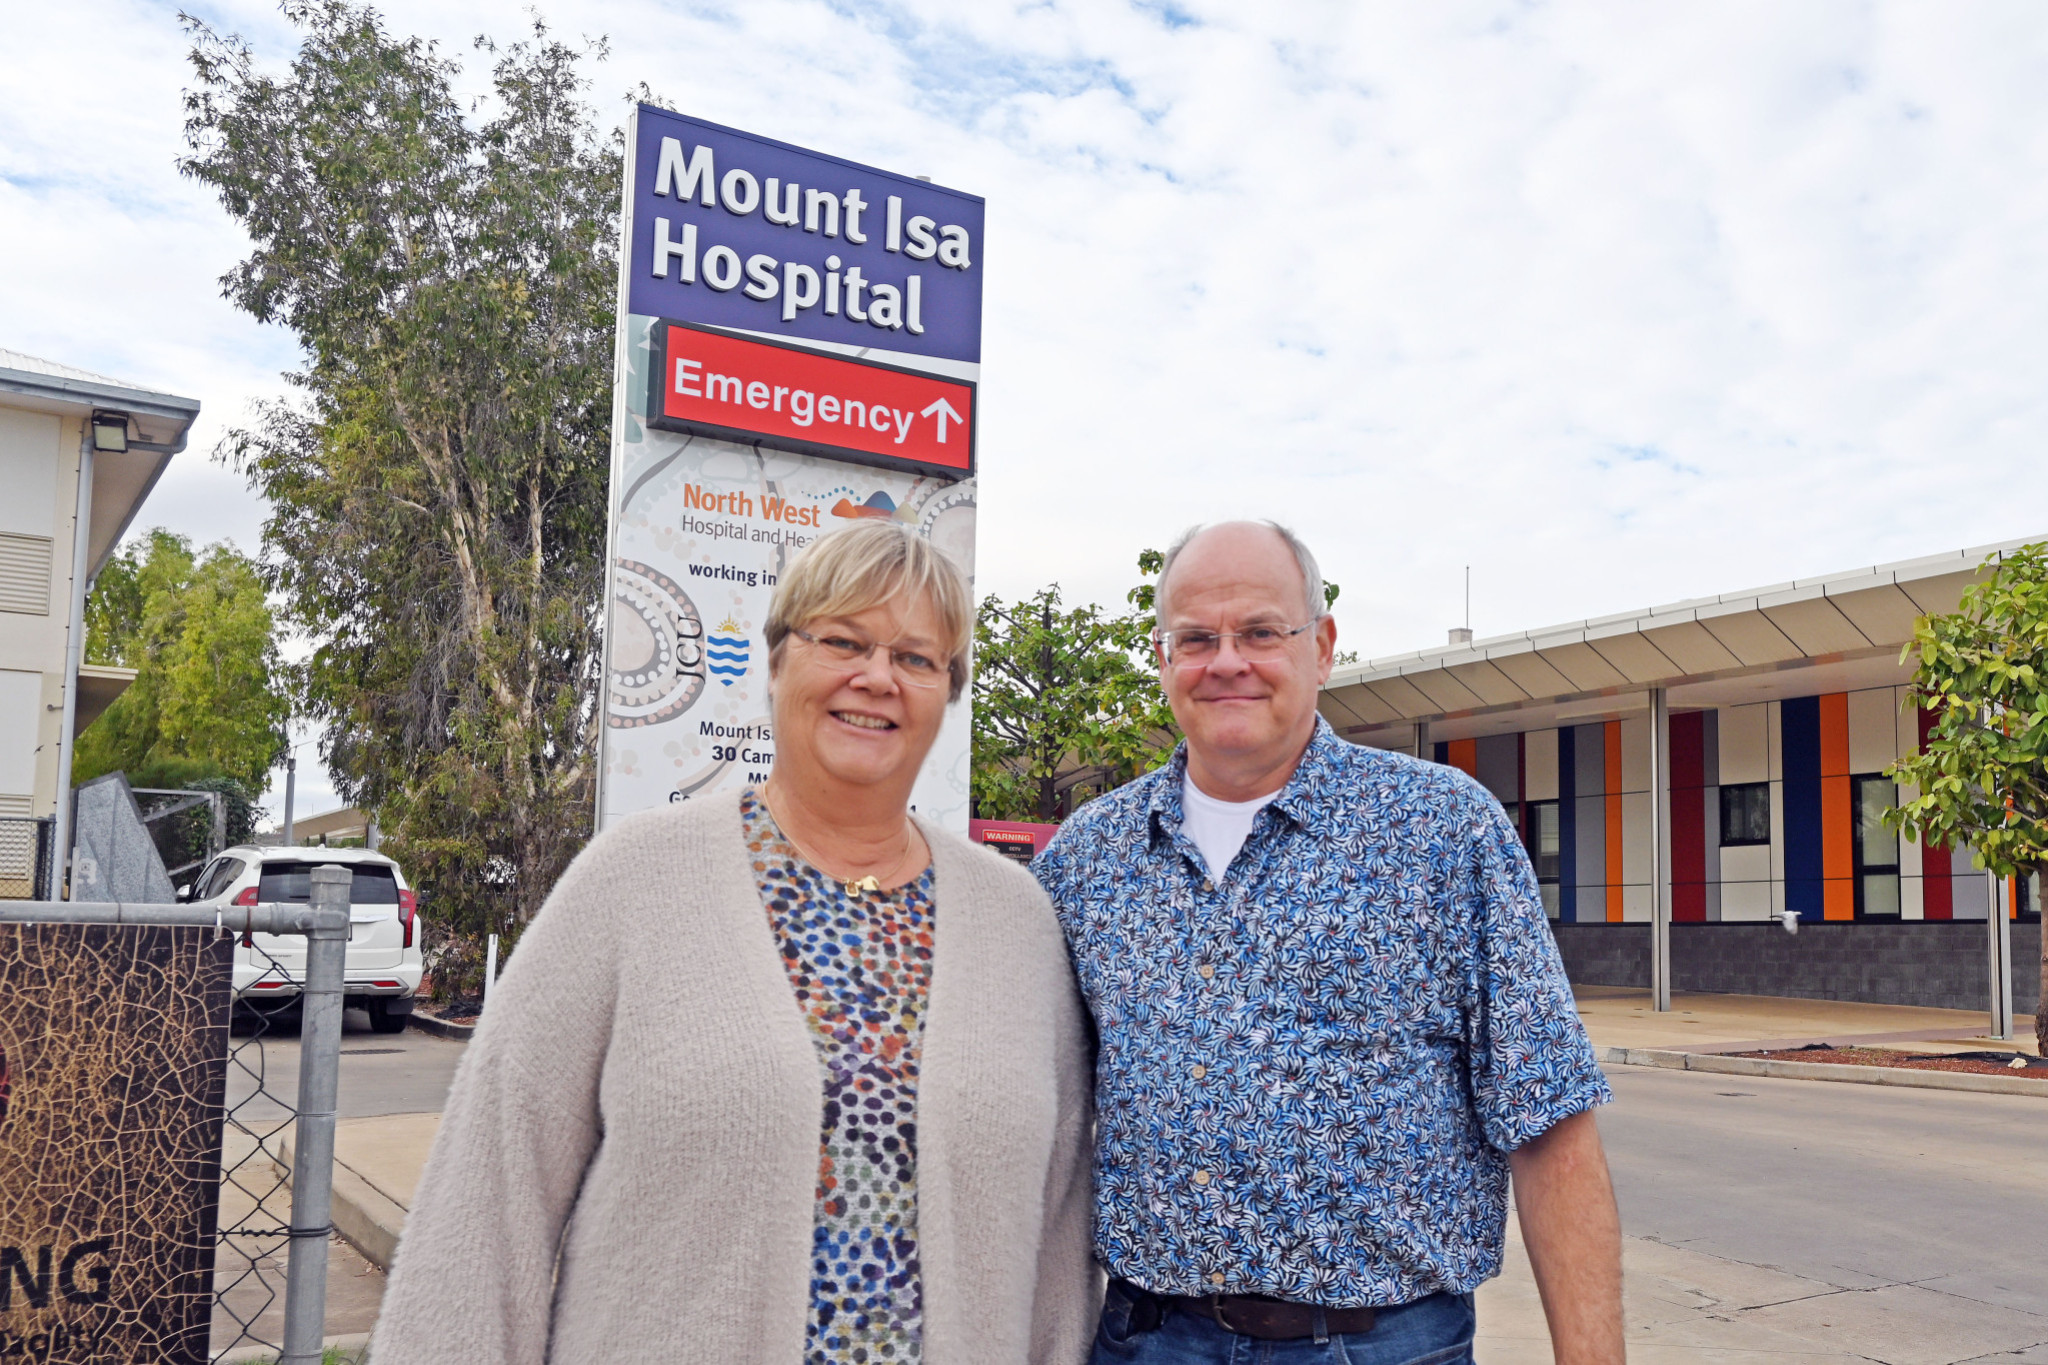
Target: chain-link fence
26	864
270	1261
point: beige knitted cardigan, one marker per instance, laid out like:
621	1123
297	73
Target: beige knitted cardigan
627	1167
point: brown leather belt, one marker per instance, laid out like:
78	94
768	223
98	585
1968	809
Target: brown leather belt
1265	1319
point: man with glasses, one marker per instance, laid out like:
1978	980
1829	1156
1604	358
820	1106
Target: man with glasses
1331	1017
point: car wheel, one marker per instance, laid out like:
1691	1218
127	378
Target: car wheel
383	1019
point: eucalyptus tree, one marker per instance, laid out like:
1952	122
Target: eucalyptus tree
437	478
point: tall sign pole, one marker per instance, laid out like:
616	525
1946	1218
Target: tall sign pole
799	346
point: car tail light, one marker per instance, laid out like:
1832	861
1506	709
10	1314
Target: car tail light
408	906
248	897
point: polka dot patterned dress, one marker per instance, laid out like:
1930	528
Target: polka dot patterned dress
861	965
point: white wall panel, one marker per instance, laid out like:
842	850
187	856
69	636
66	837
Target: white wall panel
28	471
1873	730
1635	837
21	696
1635	754
1778	831
1912	894
1539	760
1905	723
1745	743
1635	905
1746	863
1749	900
1970	889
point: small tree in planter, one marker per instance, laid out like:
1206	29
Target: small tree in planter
1983	779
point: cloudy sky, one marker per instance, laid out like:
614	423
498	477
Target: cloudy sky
1617	303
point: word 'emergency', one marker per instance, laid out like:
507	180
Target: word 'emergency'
805	407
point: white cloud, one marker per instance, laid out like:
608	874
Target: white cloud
1617	303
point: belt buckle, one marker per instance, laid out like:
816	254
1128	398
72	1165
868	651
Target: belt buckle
1216	1312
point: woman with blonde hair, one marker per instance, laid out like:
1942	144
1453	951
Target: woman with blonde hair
789	1075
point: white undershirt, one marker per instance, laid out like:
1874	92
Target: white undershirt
1219	828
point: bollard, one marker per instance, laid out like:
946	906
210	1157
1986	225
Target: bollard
305	1293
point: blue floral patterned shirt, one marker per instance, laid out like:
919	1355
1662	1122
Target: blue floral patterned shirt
1312	1068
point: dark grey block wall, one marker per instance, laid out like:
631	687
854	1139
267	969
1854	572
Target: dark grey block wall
1935	964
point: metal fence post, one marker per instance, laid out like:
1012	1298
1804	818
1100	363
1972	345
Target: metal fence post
1660	850
305	1295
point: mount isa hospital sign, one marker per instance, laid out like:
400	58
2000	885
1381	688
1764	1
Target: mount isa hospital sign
799	346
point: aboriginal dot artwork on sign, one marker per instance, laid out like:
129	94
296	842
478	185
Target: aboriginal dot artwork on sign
113	1053
657	653
860	963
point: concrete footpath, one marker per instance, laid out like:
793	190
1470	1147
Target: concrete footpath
378	1162
1700	1030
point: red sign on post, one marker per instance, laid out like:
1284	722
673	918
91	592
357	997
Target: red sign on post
712	383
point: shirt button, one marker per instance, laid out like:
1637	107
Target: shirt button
1206	971
1198	1071
1215	1277
1208	886
1201	1177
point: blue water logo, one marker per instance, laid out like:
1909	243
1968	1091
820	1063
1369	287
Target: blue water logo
726	650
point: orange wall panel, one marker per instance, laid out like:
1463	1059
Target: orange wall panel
1837	858
1464	756
1834	734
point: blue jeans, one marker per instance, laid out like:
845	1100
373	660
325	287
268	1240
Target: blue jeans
1432	1331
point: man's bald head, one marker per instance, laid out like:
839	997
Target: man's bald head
1222	534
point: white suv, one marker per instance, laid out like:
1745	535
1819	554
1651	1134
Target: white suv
383	962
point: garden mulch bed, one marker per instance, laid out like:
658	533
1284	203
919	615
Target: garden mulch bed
1975	1063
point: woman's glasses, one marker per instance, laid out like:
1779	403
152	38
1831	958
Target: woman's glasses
910	668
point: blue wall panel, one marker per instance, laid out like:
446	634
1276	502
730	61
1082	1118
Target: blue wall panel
1800	731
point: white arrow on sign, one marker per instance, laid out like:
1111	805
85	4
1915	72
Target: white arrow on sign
943	410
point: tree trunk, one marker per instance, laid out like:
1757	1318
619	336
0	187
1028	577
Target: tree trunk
2041	1000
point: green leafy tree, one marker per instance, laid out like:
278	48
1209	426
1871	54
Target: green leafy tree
1066	699
1983	779
1060	699
1145	595
208	703
438	489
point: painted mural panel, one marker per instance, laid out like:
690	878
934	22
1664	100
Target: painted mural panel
113	1061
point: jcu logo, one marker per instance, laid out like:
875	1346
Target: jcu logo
727	649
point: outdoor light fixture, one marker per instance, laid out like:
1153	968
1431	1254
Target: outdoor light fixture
1790	919
110	431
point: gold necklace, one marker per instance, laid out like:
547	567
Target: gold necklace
854	885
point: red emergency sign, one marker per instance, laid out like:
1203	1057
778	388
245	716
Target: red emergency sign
712	383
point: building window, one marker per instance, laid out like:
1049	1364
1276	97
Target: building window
1745	813
1877	848
1540	835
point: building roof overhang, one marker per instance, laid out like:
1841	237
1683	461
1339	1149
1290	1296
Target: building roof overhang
1840	632
99	686
161	423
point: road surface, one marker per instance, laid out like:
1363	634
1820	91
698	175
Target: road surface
1778	1220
